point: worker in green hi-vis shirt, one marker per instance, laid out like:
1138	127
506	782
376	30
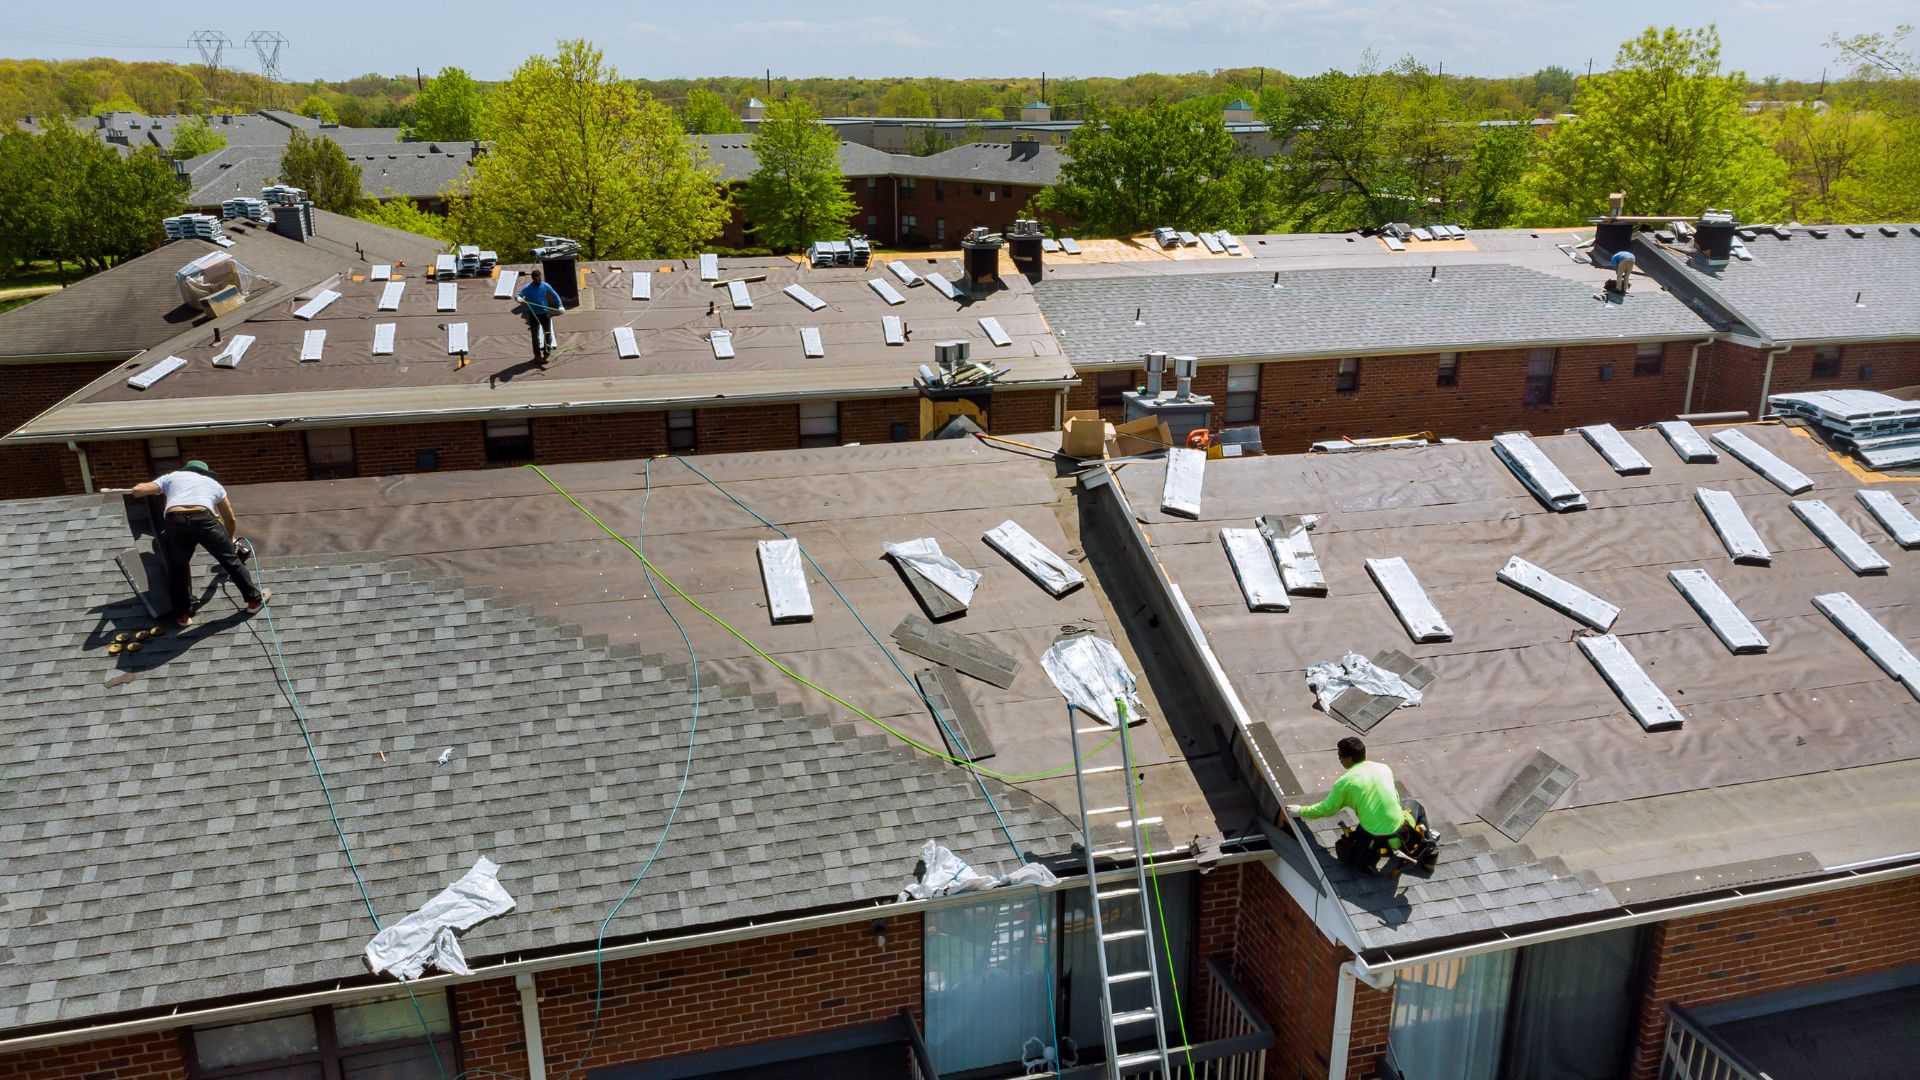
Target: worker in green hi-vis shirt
1386	827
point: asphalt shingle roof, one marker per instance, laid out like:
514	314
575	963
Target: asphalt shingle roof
1350	310
164	838
737	160
1029	163
1804	288
416	170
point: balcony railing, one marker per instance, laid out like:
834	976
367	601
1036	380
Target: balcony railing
1233	1044
1693	1052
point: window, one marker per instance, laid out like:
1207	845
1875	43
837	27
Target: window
820	423
1561	1009
683	436
1347	379
1606	372
1447	371
1826	362
163	456
873	183
1866	372
909	224
908	187
1648	356
1540	364
992	196
1243	394
986	966
427	460
976	189
873	221
509	440
939	228
1006	191
900	431
387	1039
939	191
1112	385
330	454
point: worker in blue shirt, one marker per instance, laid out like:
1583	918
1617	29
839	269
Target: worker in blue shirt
542	303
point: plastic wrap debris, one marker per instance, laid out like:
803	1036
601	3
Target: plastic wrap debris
1293	552
947	874
1090	673
209	274
925	556
406	948
1329	679
1048	570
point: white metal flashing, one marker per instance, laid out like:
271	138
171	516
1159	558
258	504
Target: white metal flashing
311	344
1253	567
1723	616
624	343
390	296
1730	523
1892	515
812	302
887	292
1613	446
316	305
154	373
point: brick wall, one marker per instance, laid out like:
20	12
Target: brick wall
871	420
728	429
607	437
1217	922
395	448
1292	974
493	1039
1732	374
153	1056
26	391
730	995
1755	950
1016	412
961	208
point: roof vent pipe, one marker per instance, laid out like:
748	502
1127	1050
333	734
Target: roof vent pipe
1156	362
1184	369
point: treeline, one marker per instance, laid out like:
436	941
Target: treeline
69	198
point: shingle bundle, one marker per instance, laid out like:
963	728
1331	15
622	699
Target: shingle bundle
1882	431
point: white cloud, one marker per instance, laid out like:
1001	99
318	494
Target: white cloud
645	31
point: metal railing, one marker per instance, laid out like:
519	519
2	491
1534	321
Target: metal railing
1693	1052
1233	1043
919	1061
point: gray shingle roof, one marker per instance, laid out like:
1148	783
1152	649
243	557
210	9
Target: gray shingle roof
1028	163
1804	289
416	170
165	839
735	155
1352	311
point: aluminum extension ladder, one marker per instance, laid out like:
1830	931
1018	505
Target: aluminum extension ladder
1113	1022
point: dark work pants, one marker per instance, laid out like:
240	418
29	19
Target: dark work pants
540	324
199	529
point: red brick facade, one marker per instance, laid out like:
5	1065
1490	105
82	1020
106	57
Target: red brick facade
960	205
156	1055
26	391
1731	375
1755	950
493	1040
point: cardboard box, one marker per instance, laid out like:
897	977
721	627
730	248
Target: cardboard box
224	301
1142	436
1084	434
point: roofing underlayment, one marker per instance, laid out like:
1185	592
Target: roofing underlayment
676	364
166	841
1801	757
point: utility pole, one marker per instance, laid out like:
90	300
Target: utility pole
213	46
267	44
419	80
769	82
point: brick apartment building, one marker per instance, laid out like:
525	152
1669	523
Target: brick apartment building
419	408
60	343
181	906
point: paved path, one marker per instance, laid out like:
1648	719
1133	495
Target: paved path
29	290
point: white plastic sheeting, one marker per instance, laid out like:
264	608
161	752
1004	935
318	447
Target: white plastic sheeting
947	874
1293	553
925	556
1050	571
785	577
1090	673
1253	567
1329	679
406	948
1186	470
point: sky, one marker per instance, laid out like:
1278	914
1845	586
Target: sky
649	39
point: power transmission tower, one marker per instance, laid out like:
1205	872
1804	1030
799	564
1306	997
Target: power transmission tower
267	45
213	47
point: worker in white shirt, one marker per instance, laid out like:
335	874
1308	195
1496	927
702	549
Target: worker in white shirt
198	515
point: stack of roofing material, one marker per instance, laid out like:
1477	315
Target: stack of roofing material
1253	567
1180	494
1723	616
467	260
1865	631
1882	431
1409	601
1168	238
1892	516
823	253
1762	460
1558	593
251	209
155	372
1850	546
488	260
785	579
1620	454
1047	569
1730	523
1293	552
283	195
1642	697
446	267
1693	447
193	227
1539	475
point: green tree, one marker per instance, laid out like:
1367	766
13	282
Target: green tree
119	102
1883	184
400	212
1666	127
1492	188
449	108
706	113
906	99
1553	88
579	152
67	196
317	164
798	194
1131	169
927	141
317	107
1828	150
194	137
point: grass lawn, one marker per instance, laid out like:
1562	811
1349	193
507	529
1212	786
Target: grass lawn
9	305
38	273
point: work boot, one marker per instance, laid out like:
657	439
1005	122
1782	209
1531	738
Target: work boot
253	608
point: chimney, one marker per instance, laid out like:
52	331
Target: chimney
1713	236
979	260
1025	248
1025	147
1184	369
1036	112
1156	362
1237	112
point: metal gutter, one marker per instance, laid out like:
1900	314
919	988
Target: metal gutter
1168	862
1851	875
1211	360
